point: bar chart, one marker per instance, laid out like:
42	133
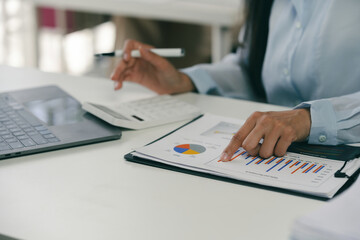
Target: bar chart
291	168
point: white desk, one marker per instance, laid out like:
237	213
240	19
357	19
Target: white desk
91	192
220	15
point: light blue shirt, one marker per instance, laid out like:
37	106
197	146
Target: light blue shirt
312	60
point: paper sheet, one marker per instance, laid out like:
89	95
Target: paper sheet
198	146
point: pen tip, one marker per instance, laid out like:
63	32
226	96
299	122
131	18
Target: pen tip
110	54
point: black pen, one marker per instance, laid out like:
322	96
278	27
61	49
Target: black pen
163	52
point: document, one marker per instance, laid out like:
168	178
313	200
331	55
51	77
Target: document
198	146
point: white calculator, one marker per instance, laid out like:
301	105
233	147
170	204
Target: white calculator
144	113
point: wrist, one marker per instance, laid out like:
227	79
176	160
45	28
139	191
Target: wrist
187	84
305	117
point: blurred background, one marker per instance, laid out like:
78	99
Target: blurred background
63	35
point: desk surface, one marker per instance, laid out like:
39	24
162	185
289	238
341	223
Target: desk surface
91	192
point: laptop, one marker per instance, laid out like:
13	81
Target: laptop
47	118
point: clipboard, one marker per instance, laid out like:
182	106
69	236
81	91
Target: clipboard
342	153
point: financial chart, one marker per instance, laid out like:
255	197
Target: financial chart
198	147
189	149
292	168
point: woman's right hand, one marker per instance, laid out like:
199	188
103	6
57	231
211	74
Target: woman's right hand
150	70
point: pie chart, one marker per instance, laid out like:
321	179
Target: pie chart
189	149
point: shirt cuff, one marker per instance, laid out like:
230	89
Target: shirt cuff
323	122
203	82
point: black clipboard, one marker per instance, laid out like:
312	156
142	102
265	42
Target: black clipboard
343	148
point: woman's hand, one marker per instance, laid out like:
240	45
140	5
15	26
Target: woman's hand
277	129
150	70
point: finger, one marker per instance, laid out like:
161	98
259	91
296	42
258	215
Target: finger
124	76
118	85
231	148
251	141
255	150
269	143
119	70
129	46
154	59
237	140
132	45
131	63
282	146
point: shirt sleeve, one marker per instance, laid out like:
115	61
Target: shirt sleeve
226	78
334	120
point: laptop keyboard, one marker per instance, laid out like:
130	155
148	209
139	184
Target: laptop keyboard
19	128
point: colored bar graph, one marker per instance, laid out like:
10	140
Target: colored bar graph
261	160
271	160
319	169
306	170
299	168
304	165
314	165
277	163
237	155
287	163
234	157
295	164
254	158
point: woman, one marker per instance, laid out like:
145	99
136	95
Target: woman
294	53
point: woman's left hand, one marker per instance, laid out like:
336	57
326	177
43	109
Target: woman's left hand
277	129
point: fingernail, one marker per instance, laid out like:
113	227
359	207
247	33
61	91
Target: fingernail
145	49
116	85
224	157
126	57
